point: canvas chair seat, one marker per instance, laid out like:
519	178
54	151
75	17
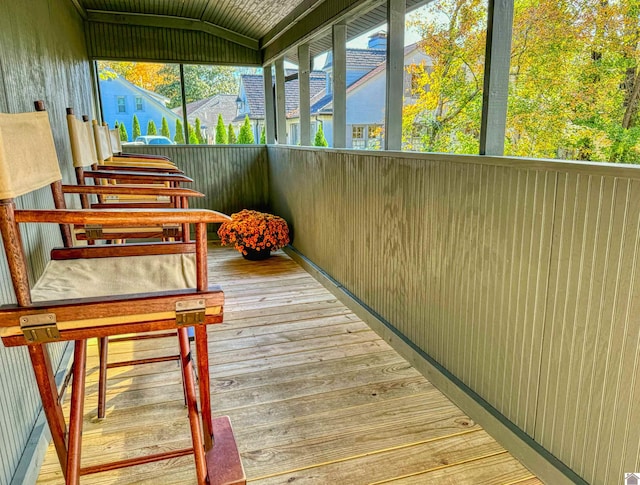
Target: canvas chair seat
84	278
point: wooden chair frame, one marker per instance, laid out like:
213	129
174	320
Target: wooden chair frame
36	323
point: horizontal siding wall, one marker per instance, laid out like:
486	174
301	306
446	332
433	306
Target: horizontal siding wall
141	43
519	277
36	62
231	177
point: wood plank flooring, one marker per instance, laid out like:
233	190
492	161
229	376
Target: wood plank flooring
314	396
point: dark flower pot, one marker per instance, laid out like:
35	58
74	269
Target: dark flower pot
256	254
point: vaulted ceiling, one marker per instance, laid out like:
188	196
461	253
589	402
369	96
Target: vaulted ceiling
272	26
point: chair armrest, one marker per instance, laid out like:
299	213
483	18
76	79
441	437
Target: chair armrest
120	217
137	177
143	156
126	190
141	168
145	161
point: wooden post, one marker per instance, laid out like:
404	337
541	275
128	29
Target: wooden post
13	248
103	352
395	75
281	110
43	372
202	344
76	414
304	67
340	85
269	113
496	77
59	203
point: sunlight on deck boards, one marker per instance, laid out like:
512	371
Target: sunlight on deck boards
314	396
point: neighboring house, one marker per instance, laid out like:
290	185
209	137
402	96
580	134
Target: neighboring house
366	93
208	109
251	101
366	96
122	99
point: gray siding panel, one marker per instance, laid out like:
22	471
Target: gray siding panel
153	44
519	277
37	63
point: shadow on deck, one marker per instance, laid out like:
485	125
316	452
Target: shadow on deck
314	396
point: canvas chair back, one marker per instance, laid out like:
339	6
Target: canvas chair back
116	145
103	141
28	159
83	148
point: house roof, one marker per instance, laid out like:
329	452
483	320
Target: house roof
254	92
360	59
325	104
224	104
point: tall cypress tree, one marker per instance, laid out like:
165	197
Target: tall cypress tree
124	136
246	134
136	128
320	140
164	128
179	138
193	139
221	132
201	138
151	128
232	140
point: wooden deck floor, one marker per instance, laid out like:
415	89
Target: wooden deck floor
315	397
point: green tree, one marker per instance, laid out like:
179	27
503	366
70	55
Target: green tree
151	128
200	82
320	140
164	128
221	132
124	136
263	137
193	138
246	133
232	135
136	128
201	138
179	138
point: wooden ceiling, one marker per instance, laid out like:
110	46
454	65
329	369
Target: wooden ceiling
273	26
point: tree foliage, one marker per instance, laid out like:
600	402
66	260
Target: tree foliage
136	128
263	136
320	140
122	130
574	67
221	132
151	128
245	137
164	128
179	137
232	135
200	82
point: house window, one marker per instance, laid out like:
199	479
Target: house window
294	138
358	137
139	105
122	107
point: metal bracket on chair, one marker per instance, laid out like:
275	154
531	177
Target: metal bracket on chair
40	328
170	231
92	231
190	312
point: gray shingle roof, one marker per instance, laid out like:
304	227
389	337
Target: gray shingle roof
254	90
361	59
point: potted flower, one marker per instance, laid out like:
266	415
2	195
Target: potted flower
255	234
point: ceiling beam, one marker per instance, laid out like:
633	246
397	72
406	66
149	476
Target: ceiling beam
171	22
312	23
80	9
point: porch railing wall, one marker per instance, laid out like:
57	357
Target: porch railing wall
36	62
520	277
232	177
